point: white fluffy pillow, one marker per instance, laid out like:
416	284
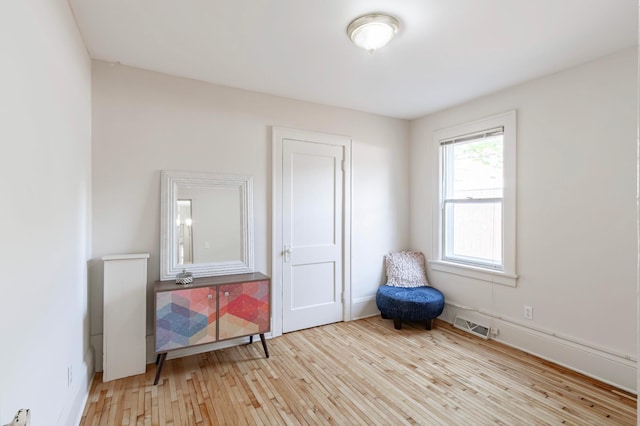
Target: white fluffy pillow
406	269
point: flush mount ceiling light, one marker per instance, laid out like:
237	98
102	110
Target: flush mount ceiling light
372	31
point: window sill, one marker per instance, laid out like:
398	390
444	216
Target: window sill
488	275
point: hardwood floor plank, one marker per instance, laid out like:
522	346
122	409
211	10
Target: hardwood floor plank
361	373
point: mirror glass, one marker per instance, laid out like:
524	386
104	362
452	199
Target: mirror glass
206	224
185	240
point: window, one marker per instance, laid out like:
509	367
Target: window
472	199
476	204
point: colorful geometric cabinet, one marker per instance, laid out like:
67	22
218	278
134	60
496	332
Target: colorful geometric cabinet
209	310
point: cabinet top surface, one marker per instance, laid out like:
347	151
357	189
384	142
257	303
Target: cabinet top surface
209	281
126	256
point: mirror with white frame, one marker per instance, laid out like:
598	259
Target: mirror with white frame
206	224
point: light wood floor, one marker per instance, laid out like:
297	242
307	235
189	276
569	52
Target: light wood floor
361	372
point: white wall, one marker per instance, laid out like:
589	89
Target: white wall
45	132
145	122
576	238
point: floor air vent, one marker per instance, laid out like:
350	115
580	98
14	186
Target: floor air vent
471	327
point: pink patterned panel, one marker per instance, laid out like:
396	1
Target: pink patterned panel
244	309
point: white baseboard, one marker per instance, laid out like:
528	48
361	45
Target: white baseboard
72	411
96	342
178	353
598	364
364	307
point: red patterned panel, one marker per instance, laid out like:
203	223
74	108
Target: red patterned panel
244	309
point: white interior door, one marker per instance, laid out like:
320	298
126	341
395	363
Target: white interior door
312	224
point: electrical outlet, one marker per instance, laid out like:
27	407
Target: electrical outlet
528	312
69	375
494	331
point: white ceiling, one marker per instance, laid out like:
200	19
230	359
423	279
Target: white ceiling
446	52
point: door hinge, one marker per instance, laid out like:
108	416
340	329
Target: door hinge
342	165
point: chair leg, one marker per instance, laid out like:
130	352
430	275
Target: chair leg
429	324
397	324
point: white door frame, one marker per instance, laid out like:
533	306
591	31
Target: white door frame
279	134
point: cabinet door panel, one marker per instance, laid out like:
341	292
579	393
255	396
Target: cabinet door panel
185	317
244	309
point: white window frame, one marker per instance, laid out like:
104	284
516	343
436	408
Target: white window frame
506	276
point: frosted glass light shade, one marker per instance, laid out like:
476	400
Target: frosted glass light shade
371	32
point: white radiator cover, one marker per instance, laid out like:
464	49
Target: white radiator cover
125	314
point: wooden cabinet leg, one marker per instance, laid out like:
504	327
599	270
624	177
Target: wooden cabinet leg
264	344
159	362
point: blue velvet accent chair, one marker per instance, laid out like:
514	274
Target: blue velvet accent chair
407	295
